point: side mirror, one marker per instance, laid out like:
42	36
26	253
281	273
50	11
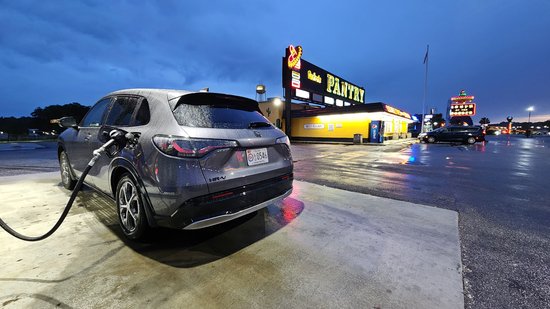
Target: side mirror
68	122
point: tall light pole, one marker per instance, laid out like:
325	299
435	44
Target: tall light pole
530	109
426	59
528	132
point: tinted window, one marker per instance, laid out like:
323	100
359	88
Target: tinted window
95	115
142	116
122	111
210	116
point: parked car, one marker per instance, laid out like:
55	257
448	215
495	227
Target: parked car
460	134
201	158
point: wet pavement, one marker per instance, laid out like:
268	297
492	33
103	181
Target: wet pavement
28	158
500	190
320	248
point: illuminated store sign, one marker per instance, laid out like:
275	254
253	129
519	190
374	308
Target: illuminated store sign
468	109
344	89
463	98
398	112
321	86
295	54
314	77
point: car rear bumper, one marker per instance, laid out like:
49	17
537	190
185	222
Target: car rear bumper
219	207
228	217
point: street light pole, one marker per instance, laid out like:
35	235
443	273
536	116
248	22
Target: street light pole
528	132
426	59
530	109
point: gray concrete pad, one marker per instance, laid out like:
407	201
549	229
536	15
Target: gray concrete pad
321	248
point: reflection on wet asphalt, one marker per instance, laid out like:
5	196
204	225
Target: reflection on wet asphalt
499	188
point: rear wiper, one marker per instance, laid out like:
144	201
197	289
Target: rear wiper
258	124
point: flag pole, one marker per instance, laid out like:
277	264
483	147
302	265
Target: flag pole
426	60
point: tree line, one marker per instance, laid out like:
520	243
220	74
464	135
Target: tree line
40	118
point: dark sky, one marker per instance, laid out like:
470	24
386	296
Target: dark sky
57	52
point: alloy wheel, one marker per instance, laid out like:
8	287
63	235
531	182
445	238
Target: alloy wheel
128	206
65	171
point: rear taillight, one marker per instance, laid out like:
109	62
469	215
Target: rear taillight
283	140
189	147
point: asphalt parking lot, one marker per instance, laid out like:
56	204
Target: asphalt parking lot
500	190
321	248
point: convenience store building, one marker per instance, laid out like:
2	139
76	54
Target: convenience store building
375	122
332	108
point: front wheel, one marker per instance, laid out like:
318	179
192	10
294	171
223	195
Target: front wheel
471	140
131	214
431	139
67	178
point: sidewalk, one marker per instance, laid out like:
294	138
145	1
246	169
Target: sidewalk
385	143
322	248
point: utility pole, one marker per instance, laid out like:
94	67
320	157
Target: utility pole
426	60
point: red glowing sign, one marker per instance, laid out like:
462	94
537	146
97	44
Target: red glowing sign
462	98
294	56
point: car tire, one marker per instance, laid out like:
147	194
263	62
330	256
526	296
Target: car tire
431	139
67	178
131	213
471	140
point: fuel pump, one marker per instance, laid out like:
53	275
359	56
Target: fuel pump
118	137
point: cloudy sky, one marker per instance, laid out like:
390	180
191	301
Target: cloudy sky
57	52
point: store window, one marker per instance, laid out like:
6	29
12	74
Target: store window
388	127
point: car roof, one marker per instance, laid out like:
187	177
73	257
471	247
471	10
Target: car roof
166	94
170	95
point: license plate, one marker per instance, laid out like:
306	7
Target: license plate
256	156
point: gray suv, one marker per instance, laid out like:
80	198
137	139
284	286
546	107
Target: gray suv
200	158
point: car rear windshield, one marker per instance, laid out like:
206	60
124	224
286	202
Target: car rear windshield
217	111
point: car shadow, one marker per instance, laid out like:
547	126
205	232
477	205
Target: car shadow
191	248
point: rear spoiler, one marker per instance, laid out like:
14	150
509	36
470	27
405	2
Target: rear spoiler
218	100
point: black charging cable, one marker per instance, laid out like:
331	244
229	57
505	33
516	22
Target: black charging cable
117	136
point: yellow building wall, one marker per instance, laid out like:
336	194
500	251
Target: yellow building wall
331	126
272	112
395	127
